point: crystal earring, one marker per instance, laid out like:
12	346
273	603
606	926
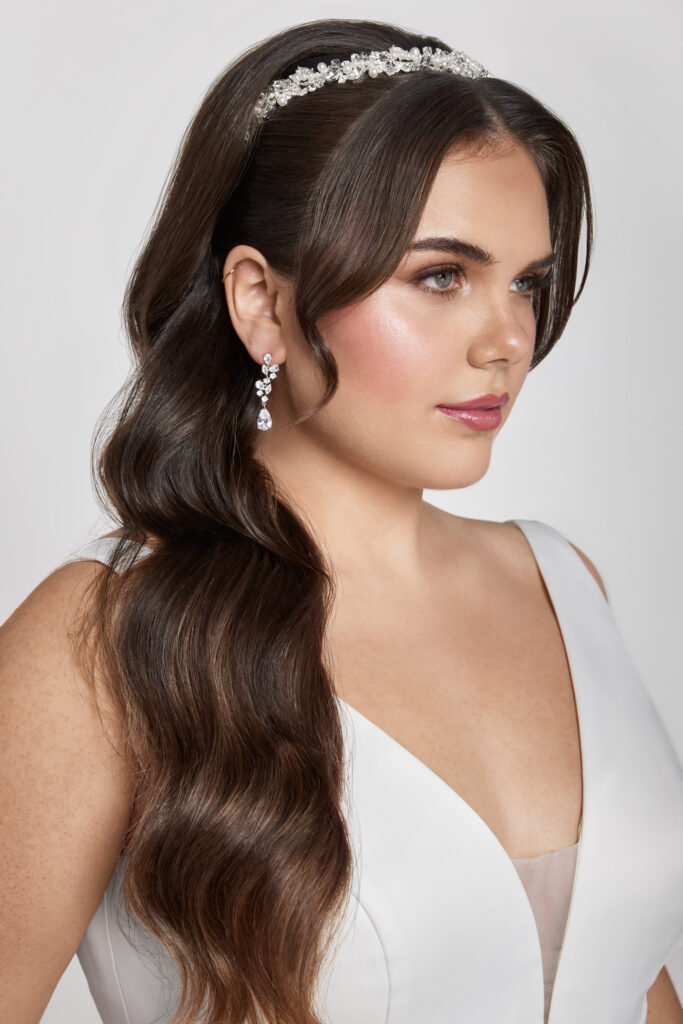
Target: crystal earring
264	421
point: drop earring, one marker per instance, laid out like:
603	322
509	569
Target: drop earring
269	370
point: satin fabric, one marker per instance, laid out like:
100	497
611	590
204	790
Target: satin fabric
439	928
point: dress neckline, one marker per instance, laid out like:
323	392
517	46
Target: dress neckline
532	532
550	853
422	766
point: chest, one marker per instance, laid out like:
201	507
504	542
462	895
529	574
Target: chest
480	691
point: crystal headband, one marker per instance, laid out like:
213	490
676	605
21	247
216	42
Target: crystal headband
377	62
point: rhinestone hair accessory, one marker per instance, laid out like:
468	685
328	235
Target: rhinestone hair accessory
377	62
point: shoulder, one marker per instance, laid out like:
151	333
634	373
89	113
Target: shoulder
49	701
506	542
68	788
37	640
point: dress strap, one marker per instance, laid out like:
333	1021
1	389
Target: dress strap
558	550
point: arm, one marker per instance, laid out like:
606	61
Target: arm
663	1004
65	798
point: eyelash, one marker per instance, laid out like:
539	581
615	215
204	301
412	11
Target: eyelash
538	282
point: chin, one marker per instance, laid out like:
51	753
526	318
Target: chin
454	477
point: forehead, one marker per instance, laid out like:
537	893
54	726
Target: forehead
490	197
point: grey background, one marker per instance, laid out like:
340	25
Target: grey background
95	99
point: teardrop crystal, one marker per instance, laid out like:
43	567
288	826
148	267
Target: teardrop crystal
264	421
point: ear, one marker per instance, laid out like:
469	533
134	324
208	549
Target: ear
255	297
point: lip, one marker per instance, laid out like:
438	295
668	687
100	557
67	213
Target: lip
483	402
478	419
482	413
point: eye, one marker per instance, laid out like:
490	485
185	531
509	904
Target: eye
442	276
535	283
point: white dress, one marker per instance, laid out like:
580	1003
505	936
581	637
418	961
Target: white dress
442	926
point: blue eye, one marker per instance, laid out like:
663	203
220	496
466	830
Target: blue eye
443	276
536	283
439	276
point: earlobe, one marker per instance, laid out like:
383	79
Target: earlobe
251	296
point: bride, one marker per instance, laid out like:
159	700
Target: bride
291	744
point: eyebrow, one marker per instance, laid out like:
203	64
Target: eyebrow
472	252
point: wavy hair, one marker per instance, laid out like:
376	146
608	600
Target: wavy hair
213	646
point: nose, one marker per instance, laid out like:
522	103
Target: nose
503	329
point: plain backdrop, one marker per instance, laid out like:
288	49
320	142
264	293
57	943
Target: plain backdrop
95	98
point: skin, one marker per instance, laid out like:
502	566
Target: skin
663	1004
358	467
356	470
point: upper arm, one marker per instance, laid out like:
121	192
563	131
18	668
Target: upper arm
65	796
663	1004
591	568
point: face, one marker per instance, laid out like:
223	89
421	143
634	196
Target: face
448	326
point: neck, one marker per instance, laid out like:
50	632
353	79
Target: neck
363	523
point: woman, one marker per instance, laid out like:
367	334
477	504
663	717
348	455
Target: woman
349	758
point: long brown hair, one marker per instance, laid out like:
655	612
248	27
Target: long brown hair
213	646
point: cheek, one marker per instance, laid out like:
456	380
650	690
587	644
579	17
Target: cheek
379	348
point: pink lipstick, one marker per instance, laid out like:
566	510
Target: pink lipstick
479	413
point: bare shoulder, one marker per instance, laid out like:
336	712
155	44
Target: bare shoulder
506	544
485	547
66	792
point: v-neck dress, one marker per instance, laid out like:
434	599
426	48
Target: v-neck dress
441	924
